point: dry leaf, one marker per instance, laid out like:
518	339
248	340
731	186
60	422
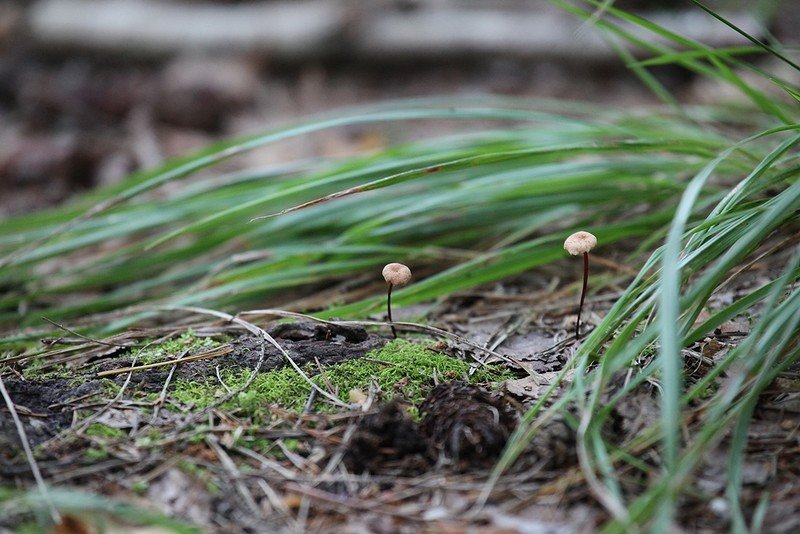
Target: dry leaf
357	396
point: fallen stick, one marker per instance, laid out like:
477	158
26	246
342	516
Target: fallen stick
213	353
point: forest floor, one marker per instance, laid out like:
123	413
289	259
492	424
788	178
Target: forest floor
208	421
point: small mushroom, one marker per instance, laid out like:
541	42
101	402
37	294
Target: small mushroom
395	274
581	243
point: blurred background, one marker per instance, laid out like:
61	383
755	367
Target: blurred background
92	90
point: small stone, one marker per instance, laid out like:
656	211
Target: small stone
719	506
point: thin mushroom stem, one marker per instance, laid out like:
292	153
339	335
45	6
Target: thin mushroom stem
583	292
581	243
395	274
389	309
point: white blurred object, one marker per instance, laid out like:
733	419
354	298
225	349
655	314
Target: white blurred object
317	28
156	28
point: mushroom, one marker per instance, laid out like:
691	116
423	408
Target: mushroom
395	274
581	243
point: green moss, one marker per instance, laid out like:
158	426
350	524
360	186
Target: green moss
291	444
35	368
187	342
140	487
152	436
31	527
260	445
199	435
200	473
190	467
94	454
104	431
159	352
399	368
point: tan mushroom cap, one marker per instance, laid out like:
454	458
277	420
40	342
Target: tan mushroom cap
580	243
396	274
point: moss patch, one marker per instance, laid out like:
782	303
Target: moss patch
157	352
399	368
38	369
172	348
104	431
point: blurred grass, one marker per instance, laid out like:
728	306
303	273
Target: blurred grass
704	250
86	513
712	183
472	208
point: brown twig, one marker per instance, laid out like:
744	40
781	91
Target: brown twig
162	396
213	353
87	338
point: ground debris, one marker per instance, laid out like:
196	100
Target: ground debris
40	404
305	342
388	441
182	495
462	425
466	424
535	385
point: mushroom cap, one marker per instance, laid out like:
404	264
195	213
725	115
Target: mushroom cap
396	274
580	243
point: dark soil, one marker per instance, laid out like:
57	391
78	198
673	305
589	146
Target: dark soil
389	442
305	342
390	460
40	404
46	405
466	424
463	425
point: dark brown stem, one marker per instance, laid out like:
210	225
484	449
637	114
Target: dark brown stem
583	292
389	310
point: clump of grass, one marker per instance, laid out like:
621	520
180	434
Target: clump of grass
509	194
399	368
710	241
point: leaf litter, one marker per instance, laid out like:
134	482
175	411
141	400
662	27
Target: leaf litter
387	458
